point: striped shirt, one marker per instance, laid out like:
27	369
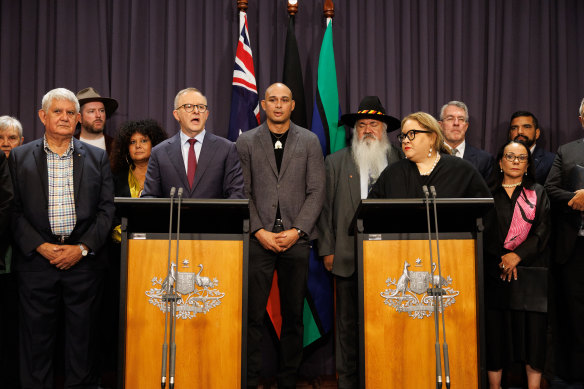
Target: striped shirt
61	194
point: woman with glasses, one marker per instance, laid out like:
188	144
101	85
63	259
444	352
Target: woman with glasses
515	259
428	162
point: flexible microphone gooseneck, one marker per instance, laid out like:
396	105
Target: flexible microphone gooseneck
166	294
172	361
441	294
432	291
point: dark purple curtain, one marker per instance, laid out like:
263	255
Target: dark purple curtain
498	56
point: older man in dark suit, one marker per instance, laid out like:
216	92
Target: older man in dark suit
63	209
283	170
203	164
350	172
565	188
454	120
524	127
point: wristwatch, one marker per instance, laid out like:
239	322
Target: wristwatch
300	232
84	251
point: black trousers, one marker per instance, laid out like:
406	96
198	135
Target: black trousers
569	312
292	268
40	296
347	343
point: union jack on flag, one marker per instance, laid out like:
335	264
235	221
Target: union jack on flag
245	109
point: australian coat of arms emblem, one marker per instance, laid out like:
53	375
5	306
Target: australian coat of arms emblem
196	293
409	292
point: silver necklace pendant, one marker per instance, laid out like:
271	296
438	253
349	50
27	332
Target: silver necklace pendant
277	145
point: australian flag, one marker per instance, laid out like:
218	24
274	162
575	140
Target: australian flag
245	109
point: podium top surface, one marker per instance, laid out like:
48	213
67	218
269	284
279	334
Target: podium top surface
197	215
410	215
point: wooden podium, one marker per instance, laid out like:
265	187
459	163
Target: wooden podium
211	279
396	315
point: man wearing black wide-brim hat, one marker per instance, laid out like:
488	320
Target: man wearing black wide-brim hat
350	173
95	110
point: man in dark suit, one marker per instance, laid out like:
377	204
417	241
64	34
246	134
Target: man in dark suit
565	188
63	209
283	170
350	172
95	110
454	122
205	165
524	127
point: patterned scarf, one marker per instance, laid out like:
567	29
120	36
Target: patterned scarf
523	217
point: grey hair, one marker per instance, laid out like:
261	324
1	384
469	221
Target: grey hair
186	90
7	122
59	94
582	108
458	104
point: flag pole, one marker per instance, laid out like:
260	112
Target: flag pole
328	9
292	7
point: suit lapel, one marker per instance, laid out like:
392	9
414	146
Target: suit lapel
353	180
205	157
291	142
78	163
174	152
40	158
265	139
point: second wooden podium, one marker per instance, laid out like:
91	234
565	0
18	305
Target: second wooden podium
397	328
211	281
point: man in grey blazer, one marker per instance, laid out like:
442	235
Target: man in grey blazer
350	172
203	164
283	172
565	188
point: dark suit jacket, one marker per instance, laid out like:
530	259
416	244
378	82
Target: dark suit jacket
121	186
480	159
542	161
109	141
218	174
94	194
343	194
566	220
298	187
6	195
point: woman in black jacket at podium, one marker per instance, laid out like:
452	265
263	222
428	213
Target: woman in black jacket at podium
516	258
428	162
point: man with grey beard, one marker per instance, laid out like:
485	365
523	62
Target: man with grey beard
350	173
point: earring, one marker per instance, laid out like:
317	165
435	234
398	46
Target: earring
501	170
430	153
525	173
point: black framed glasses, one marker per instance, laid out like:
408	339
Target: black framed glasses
411	135
191	107
512	157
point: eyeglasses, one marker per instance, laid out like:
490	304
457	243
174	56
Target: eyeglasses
452	118
191	107
512	157
411	134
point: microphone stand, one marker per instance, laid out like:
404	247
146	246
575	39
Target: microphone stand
440	295
166	294
433	292
174	299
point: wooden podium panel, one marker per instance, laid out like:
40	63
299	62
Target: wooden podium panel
208	351
399	349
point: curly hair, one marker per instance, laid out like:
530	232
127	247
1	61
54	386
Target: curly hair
120	158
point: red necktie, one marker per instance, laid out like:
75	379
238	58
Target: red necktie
192	163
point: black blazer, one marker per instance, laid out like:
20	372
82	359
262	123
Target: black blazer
6	195
542	161
93	190
566	220
480	159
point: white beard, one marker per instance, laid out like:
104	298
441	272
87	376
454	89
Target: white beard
370	155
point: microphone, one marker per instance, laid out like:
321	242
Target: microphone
441	294
173	318
432	291
166	294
